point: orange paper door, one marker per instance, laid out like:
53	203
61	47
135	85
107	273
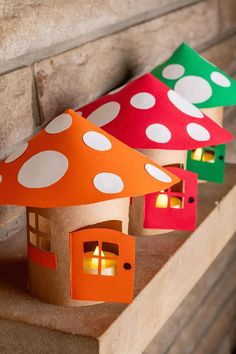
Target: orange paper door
102	265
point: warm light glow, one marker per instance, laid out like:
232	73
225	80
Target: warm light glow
108	266
162	201
208	156
197	154
175	202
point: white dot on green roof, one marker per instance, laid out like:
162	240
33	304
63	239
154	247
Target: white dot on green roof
194	88
173	71
183	105
220	79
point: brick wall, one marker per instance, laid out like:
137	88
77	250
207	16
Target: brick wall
55	54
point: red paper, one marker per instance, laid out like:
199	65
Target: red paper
43	258
147	114
171	218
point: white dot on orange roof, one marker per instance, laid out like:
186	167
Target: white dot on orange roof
173	71
183	105
59	124
108	183
220	79
105	113
143	100
97	141
43	169
158	133
194	88
197	132
17	153
157	173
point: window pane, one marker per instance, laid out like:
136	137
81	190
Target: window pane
178	187
109	267
111	248
90	246
90	265
44	225
161	201
44	244
32	238
197	154
176	202
32	219
208	156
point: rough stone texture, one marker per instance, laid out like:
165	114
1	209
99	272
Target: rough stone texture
192	322
80	75
227	12
17	117
68	23
223	54
16	109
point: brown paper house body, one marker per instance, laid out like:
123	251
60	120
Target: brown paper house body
76	181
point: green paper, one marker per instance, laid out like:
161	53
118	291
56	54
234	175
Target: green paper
209	171
195	78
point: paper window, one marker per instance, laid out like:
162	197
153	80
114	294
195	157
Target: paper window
39	231
100	258
172	197
206	154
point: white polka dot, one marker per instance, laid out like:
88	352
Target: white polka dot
183	105
173	71
0	178
17	153
97	141
220	79
43	169
158	133
105	113
116	90
197	132
156	173
194	88
59	124
80	113
108	183
143	100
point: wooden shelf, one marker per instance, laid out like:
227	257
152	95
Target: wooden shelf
167	269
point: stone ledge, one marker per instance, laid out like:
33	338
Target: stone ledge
162	281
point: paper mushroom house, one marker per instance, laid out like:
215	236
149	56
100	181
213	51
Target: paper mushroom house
76	181
210	89
148	116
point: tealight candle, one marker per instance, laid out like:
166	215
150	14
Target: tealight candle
108	266
208	157
175	202
197	154
162	201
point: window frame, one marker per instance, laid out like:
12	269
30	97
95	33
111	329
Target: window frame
39	235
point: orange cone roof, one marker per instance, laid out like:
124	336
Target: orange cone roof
72	162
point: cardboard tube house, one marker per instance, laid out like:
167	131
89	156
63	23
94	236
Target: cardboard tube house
158	122
210	89
76	181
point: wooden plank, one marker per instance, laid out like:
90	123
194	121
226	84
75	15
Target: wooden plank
167	269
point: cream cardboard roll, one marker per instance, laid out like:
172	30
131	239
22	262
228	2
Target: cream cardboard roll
76	181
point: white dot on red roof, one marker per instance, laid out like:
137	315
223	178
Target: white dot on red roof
183	105
220	79
105	113
17	153
59	124
108	183
173	71
43	169
118	89
143	100
194	88
157	173
197	132
158	133
79	112
97	141
0	178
